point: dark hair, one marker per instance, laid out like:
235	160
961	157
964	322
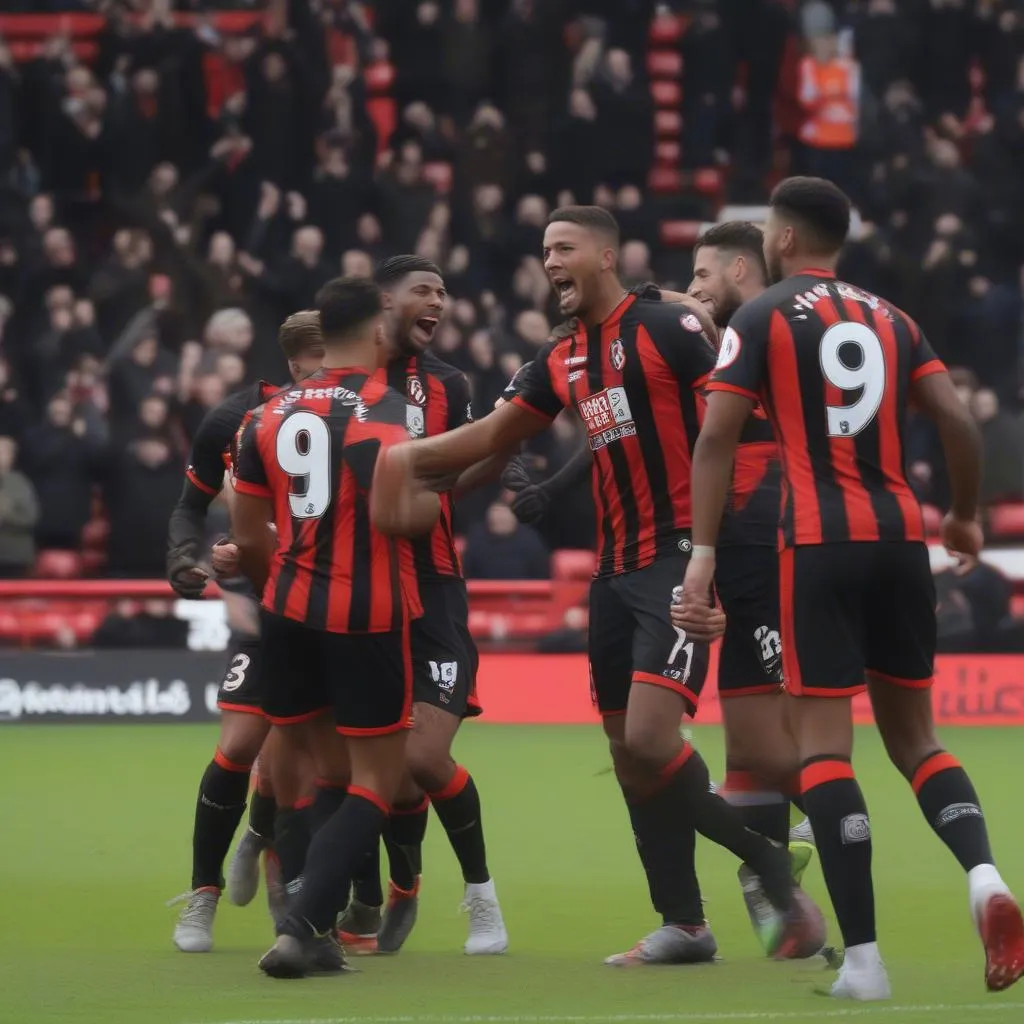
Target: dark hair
819	206
345	304
737	235
392	270
299	332
593	218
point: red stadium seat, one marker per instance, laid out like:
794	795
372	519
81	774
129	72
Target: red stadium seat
1006	522
93	560
379	76
1016	606
666	30
708	181
932	520
668	123
58	565
439	174
667	152
573	564
667	94
664	180
664	64
95	533
679	234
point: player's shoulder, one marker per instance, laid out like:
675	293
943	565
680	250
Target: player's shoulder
382	402
428	362
661	314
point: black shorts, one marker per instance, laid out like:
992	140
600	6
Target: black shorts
750	659
444	656
855	609
632	639
242	686
364	678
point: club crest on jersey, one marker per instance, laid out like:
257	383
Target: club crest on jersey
729	350
414	388
690	322
617	354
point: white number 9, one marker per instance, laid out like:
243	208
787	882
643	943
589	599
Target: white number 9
304	451
868	377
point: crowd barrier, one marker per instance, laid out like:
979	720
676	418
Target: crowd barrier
181	686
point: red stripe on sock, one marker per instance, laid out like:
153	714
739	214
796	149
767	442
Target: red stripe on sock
676	763
327	784
302	802
455	786
229	766
938	762
741	782
819	772
423	805
368	794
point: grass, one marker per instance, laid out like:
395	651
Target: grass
97	838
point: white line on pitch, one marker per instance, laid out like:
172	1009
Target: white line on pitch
646	1018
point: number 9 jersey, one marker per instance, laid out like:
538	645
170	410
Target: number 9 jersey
312	450
832	366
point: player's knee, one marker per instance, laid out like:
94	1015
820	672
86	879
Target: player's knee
241	737
651	742
430	765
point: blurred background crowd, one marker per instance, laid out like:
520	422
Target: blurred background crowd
178	177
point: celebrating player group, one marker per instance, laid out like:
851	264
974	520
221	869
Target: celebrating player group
745	442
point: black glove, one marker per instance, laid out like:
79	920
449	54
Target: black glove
531	504
186	577
516	476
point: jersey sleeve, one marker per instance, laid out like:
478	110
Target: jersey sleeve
250	472
460	411
679	339
217	431
743	353
923	360
534	387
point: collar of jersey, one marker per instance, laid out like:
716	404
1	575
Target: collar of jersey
814	272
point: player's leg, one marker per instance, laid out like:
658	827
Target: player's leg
901	647
243	874
221	800
371	676
822	595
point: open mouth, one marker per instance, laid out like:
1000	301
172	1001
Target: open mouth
423	329
566	289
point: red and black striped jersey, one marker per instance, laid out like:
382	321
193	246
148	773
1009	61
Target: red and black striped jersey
437	400
212	446
635	381
751	516
832	365
312	450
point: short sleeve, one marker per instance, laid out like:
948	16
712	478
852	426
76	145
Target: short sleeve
742	354
923	360
512	387
460	411
250	472
206	462
534	387
679	338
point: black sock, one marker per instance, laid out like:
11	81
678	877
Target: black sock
666	844
950	805
291	842
761	809
403	839
458	809
340	845
261	816
842	835
366	887
326	800
219	808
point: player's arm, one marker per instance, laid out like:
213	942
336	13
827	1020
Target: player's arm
532	500
696	308
204	479
933	392
253	514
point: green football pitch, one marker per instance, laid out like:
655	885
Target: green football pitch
97	830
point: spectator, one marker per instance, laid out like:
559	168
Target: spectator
1002	436
626	113
501	548
19	513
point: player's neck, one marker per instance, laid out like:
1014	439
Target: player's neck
351	357
612	295
810	264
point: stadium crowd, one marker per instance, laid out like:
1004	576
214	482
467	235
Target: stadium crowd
168	199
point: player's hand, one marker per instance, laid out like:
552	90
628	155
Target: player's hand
531	504
963	539
516	476
692	610
187	579
224	558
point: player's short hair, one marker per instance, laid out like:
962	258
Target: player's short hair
299	332
346	304
593	218
736	236
396	268
819	206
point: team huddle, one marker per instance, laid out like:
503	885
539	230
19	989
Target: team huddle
745	443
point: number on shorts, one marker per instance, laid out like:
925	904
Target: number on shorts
868	378
444	673
682	646
304	453
236	672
